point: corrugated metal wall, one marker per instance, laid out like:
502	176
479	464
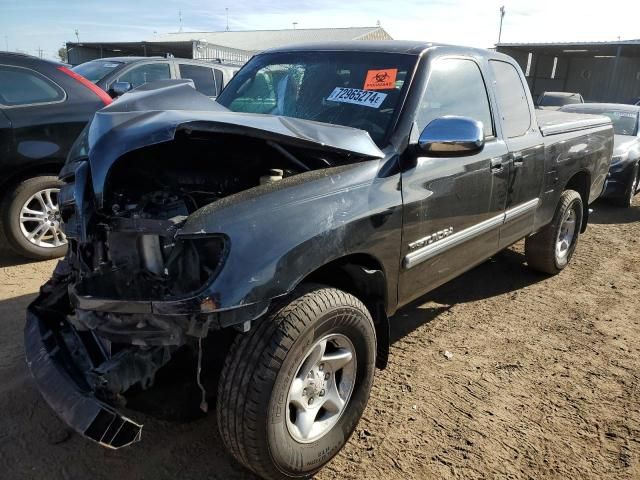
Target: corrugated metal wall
591	77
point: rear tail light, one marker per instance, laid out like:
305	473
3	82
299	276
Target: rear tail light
102	95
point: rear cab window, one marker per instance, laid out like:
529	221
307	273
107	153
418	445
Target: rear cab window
511	96
203	78
455	87
22	86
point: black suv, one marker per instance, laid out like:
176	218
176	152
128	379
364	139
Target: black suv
43	108
117	75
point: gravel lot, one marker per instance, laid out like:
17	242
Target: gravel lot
544	382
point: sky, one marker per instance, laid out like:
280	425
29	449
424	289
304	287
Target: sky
34	25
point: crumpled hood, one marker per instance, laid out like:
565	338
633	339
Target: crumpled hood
154	114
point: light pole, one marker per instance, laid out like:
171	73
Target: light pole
502	12
294	25
227	11
77	36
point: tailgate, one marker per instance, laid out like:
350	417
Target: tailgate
552	122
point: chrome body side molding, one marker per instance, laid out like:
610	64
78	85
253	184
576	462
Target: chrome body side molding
430	250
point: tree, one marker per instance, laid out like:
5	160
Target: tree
62	53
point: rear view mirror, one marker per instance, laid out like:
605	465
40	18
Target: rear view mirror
452	136
119	88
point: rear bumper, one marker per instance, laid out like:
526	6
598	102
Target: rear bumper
61	385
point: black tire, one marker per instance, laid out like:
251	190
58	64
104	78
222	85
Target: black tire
632	188
10	208
540	248
254	385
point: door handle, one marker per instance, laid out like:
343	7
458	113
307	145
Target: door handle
496	165
518	159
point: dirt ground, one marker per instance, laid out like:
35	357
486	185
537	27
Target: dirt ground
544	382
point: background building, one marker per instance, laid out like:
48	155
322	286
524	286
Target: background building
600	71
235	47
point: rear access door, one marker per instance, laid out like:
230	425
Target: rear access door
525	163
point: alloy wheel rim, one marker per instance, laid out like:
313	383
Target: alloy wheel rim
634	188
566	234
321	389
40	219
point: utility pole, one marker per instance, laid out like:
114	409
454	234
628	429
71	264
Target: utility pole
227	12
180	19
502	12
39	52
77	36
294	25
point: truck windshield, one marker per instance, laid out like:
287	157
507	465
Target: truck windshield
355	89
96	70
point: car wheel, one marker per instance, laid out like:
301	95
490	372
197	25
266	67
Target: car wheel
31	219
551	249
293	389
632	188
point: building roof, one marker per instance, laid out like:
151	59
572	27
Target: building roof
567	44
258	40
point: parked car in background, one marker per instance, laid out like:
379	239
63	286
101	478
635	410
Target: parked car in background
118	75
623	182
349	179
43	108
555	100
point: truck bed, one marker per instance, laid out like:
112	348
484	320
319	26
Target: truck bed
552	122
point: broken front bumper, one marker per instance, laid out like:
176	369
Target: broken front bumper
52	365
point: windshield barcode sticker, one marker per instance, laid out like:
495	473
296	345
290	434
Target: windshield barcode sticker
356	96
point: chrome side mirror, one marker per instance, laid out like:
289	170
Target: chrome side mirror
452	136
119	88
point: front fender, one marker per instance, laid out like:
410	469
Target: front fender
280	233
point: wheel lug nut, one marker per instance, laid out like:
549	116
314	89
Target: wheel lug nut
321	367
327	375
311	401
322	393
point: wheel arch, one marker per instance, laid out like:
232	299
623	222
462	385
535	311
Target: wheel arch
581	183
49	168
363	276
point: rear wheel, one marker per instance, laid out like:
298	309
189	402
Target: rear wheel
551	249
293	389
31	219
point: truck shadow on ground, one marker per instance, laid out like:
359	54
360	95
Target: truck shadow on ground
174	449
505	272
605	213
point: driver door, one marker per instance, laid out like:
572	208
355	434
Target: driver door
452	207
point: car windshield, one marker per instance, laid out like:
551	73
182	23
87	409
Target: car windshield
355	89
559	100
96	70
624	123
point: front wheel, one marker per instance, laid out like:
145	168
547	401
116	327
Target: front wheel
551	249
293	389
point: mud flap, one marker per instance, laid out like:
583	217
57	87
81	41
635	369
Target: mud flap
77	407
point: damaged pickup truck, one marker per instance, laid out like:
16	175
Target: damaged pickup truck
329	186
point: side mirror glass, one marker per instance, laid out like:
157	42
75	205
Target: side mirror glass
119	88
452	136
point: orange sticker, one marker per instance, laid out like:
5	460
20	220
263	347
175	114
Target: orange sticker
381	79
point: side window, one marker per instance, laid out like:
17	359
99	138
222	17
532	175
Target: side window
146	73
202	78
22	86
219	80
456	87
512	99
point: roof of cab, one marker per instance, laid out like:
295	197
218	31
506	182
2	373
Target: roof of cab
383	46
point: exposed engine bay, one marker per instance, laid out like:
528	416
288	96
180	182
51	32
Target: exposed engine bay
158	210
